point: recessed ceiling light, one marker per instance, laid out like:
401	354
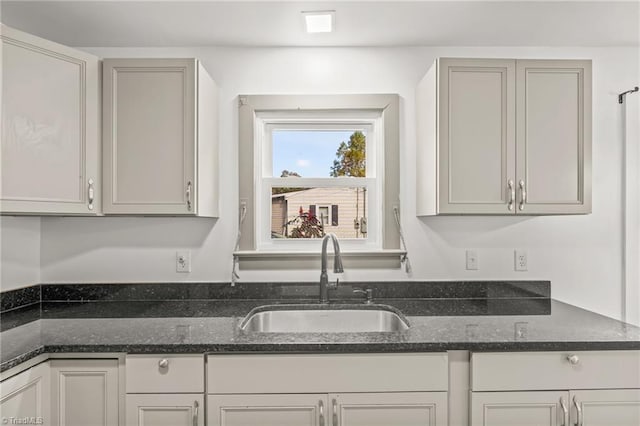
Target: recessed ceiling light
319	21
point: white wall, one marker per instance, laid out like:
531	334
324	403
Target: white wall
581	255
19	252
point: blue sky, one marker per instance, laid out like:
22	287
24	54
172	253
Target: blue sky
310	153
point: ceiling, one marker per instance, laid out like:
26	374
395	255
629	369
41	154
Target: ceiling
358	23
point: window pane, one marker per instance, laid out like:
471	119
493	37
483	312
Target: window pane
314	212
319	153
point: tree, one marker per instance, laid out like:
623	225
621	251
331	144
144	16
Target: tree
350	157
308	226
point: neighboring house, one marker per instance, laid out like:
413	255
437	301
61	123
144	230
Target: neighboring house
338	209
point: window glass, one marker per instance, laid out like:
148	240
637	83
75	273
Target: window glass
314	212
319	153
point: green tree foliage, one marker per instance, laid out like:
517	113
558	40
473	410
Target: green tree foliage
350	157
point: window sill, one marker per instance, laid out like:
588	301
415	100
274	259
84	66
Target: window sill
288	260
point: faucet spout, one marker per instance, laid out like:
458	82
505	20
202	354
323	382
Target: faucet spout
337	265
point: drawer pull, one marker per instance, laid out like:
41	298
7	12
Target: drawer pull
163	363
578	411
573	359
565	412
321	407
335	412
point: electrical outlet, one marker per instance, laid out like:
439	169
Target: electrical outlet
183	261
520	259
472	260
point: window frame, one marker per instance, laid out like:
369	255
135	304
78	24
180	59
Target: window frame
266	124
253	109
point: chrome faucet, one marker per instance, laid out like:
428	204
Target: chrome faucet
337	266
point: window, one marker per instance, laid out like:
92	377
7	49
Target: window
311	165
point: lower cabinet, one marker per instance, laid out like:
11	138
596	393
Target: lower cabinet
346	409
27	396
267	410
84	392
165	410
591	389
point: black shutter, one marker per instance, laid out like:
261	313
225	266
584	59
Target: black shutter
312	210
334	215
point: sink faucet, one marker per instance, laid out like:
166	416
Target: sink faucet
337	265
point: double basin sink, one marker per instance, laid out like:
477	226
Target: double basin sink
323	318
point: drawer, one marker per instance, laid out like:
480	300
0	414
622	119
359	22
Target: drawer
288	373
150	373
554	371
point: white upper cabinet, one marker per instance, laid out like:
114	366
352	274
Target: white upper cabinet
159	138
504	136
50	127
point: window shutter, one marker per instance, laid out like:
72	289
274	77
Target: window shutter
312	210
334	215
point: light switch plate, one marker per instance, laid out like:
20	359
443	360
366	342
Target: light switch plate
472	260
183	261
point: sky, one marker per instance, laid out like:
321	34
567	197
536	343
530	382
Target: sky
310	153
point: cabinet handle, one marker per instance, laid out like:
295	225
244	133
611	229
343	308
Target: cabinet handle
163	363
512	193
573	359
565	412
90	194
189	195
321	407
195	413
523	194
578	411
335	412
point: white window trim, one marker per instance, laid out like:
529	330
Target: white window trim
369	121
389	254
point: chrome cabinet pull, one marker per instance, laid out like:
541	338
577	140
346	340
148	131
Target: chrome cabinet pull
335	412
90	194
321	407
512	193
163	363
565	412
189	195
523	193
578	411
573	359
195	413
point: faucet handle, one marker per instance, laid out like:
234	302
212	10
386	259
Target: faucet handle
334	284
368	292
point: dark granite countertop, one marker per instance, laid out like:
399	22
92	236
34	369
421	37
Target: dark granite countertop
510	322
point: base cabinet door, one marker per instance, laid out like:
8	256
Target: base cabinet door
165	410
383	409
538	408
25	398
268	410
619	407
84	392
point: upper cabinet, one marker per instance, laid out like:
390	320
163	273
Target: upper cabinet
50	127
159	138
502	136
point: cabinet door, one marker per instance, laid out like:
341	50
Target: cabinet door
267	410
149	136
383	409
554	136
84	392
27	396
181	409
50	128
476	136
519	408
606	407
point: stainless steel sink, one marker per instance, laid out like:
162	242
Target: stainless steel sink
324	319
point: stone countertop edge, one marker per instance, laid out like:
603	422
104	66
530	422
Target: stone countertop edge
327	348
